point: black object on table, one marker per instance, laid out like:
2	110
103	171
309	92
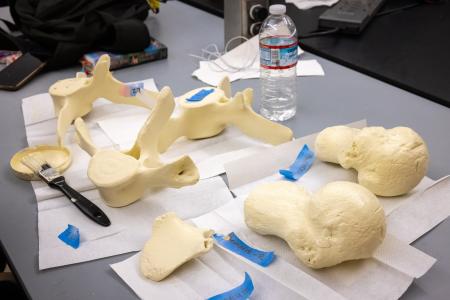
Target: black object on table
409	49
214	7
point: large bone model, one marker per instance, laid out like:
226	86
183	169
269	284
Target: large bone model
390	162
211	115
173	243
342	221
73	97
124	177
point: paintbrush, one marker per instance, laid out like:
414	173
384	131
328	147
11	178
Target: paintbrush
51	176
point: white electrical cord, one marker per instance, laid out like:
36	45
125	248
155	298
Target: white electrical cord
211	55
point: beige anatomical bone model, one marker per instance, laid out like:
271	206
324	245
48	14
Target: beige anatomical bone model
173	243
211	115
73	97
390	162
342	221
124	177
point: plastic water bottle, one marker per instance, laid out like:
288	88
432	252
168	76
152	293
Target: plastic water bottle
278	52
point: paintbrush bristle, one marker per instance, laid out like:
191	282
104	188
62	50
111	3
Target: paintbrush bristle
34	162
40	167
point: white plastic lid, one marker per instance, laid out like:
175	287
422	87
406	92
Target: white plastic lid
277	9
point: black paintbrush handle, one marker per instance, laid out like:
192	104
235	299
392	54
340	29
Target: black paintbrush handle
91	210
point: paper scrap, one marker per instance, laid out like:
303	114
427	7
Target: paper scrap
70	236
307	4
241	292
310	67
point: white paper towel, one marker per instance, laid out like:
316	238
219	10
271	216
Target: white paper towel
307	4
131	225
214	273
212	72
386	276
209	155
180	286
268	162
246	173
425	211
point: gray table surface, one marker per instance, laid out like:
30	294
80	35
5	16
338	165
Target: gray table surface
340	97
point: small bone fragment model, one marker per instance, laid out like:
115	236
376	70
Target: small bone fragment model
206	112
172	243
342	221
390	162
124	177
73	97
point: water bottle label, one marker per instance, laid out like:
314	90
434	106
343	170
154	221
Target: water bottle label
278	52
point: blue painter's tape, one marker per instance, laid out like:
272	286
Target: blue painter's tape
301	165
70	236
241	292
135	88
200	95
236	245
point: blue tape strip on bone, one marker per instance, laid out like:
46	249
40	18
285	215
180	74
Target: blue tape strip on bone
200	95
135	88
70	236
241	292
301	165
236	245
